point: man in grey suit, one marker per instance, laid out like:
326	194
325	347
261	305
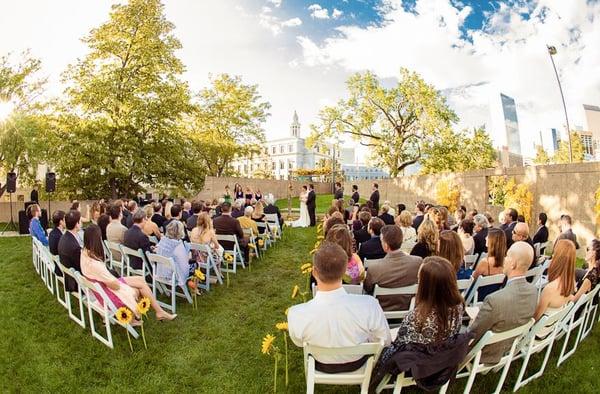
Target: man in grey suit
510	307
397	269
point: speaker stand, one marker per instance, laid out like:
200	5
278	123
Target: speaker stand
10	224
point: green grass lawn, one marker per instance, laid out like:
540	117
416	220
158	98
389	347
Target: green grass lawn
323	203
213	349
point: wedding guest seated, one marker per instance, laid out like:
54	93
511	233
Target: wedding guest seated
335	218
541	235
271	209
171	245
397	269
226	225
115	231
385	216
444	219
372	248
103	222
566	232
150	228
508	308
465	231
58	219
157	217
246	221
131	207
362	234
197	208
494	262
35	226
204	234
237	209
134	238
521	233
481	232
459	216
404	221
427	239
175	210
334	318
340	235
419	215
561	280
187	211
167	205
123	291
590	277
510	221
69	249
452	250
259	216
438	312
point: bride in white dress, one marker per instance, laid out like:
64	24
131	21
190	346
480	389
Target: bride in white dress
304	220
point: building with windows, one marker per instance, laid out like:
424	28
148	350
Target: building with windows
281	156
356	172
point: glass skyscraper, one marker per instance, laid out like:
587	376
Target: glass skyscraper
509	109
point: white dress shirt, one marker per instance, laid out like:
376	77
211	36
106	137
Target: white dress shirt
338	319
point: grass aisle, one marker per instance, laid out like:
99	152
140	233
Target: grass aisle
213	349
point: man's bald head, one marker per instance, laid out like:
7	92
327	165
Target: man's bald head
520	232
519	258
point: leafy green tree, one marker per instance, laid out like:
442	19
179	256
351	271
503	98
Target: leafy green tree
562	154
118	129
459	151
541	156
398	124
228	123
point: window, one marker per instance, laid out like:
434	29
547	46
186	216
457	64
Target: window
273	165
291	165
280	148
290	148
281	165
274	149
251	167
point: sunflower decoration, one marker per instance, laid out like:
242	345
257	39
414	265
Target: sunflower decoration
267	344
295	291
306	268
124	316
283	326
144	305
198	274
268	348
228	257
261	242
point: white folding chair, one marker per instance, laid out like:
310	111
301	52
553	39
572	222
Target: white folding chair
116	257
362	376
46	266
169	284
265	235
540	337
79	295
273	221
480	282
572	321
369	262
470	260
210	266
398	291
464	285
127	254
59	283
235	251
472	365
588	324
538	246
252	242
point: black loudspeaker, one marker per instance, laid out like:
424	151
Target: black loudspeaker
50	182
24	221
44	218
11	182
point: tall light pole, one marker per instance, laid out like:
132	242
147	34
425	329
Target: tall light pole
552	52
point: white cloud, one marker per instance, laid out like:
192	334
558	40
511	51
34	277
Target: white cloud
292	22
508	56
276	3
318	12
269	21
336	13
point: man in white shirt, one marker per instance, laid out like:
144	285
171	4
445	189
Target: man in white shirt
334	318
115	231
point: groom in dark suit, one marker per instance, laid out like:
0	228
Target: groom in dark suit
311	205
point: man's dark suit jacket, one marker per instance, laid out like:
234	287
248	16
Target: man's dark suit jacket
355	197
236	213
375	200
479	240
226	225
192	221
387	218
508	230
417	221
69	252
541	235
126	214
361	235
53	240
129	221
274	209
371	249
185	215
135	239
311	205
158	219
339	193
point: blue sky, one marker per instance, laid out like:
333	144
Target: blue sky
300	53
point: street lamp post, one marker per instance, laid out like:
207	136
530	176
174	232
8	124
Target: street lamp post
552	52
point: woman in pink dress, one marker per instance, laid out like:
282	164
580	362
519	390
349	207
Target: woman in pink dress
124	291
355	271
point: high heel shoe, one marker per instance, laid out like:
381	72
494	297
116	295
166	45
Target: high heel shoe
167	317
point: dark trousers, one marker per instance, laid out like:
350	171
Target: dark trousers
312	216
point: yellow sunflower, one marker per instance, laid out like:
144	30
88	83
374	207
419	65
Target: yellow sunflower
144	305
306	268
124	315
199	275
261	242
295	291
283	326
286	311
228	257
267	344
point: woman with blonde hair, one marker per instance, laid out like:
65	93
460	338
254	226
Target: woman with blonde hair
427	239
259	215
404	221
167	210
149	227
340	235
561	279
204	234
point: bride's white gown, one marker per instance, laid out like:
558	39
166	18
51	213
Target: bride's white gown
304	220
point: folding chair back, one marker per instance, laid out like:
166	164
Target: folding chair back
482	281
591	315
273	221
116	257
470	260
464	284
248	233
209	264
169	284
79	295
361	376
472	362
97	301
127	254
398	291
234	250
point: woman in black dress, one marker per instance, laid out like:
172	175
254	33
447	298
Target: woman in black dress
238	191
